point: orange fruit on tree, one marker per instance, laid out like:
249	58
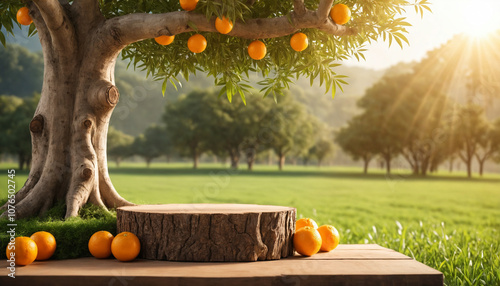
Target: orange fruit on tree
24	250
46	244
164	40
329	236
305	222
125	246
224	26
100	244
307	241
257	50
23	16
197	43
188	5
299	42
340	14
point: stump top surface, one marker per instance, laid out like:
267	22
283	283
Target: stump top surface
346	265
204	209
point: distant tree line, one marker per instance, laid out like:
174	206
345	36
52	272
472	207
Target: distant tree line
411	114
202	123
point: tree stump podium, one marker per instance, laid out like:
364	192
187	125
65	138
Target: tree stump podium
210	232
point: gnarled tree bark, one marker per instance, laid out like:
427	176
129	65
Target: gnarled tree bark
69	128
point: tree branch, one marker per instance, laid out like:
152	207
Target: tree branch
61	30
136	27
298	7
324	9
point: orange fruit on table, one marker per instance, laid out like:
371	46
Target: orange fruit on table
224	26
23	16
307	241
46	244
24	250
329	236
164	40
257	50
100	244
299	42
305	222
197	43
125	246
340	14
188	5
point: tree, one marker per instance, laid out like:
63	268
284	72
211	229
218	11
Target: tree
289	129
82	38
154	143
17	137
119	145
357	139
189	123
468	127
322	149
8	105
489	144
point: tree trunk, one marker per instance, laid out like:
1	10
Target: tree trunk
451	161
21	160
281	161
196	158
251	161
207	232
366	162
117	161
69	128
388	164
469	168
148	162
481	167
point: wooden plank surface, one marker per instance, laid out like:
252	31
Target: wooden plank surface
347	265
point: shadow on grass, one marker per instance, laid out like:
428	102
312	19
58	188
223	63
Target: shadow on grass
169	171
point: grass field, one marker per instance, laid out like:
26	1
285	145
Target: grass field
445	221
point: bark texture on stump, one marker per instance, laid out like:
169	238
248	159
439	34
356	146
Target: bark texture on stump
210	232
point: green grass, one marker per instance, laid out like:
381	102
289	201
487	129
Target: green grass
445	221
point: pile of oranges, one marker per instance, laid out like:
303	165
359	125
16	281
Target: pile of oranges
41	246
24	250
309	238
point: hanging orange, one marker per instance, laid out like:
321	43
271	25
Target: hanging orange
46	244
100	244
164	40
24	250
257	50
197	43
340	14
23	16
224	26
125	246
188	5
299	42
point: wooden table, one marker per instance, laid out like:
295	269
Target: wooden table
367	264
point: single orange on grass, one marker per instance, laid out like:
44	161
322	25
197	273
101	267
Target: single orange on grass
100	244
224	26
257	50
329	236
305	222
24	250
23	16
125	246
164	40
46	244
340	14
299	42
197	43
188	5
307	241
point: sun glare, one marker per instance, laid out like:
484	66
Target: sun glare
481	17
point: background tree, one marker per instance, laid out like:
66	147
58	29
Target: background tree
467	130
489	144
189	122
17	137
69	128
153	144
322	149
8	105
119	145
357	139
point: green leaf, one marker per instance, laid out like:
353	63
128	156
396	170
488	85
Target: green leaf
2	39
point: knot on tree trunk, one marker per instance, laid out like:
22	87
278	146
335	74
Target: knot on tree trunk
87	124
86	174
36	124
104	96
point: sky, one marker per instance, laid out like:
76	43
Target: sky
448	18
